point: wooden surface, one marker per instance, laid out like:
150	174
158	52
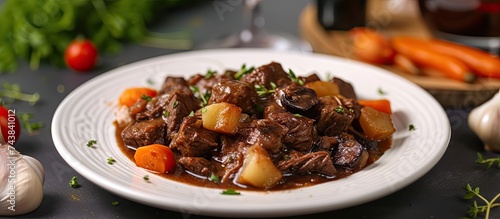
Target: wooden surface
393	20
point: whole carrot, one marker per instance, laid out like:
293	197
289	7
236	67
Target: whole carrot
482	63
419	52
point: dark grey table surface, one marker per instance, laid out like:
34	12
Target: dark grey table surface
438	194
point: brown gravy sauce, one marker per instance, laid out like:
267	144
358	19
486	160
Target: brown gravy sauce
287	182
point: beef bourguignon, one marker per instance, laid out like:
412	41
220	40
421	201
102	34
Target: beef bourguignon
257	128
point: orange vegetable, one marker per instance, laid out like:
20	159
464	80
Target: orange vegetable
375	124
130	96
155	157
484	64
419	52
371	46
405	64
382	105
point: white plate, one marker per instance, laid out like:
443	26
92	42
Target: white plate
87	113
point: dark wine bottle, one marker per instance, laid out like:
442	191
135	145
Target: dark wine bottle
341	14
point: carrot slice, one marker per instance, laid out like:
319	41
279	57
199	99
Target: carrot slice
382	105
130	96
155	157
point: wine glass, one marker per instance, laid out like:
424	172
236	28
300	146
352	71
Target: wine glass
253	36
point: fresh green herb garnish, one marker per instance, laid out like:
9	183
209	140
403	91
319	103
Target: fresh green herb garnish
203	110
146	178
146	97
286	157
489	162
115	203
243	71
339	109
73	183
294	78
204	97
214	178
10	92
298	115
191	114
210	73
411	127
176	104
150	81
380	91
39	31
475	209
262	91
230	192
91	143
329	76
166	113
111	160
30	127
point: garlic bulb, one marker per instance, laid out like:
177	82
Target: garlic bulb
484	120
21	182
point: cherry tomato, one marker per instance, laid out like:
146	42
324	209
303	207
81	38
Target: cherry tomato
81	55
9	126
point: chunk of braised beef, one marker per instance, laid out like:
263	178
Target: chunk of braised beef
154	108
144	133
345	88
266	132
350	154
179	106
296	99
333	116
301	131
197	165
326	143
138	107
264	75
172	84
231	156
319	162
237	93
206	82
192	140
310	78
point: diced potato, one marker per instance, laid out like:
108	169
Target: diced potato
221	117
323	88
375	124
258	170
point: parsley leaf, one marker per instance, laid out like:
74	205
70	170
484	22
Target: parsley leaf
73	183
91	143
230	192
111	160
411	127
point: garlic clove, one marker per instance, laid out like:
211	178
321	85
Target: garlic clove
21	182
484	121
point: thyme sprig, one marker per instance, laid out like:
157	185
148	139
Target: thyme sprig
204	97
294	78
243	71
262	90
475	209
489	162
